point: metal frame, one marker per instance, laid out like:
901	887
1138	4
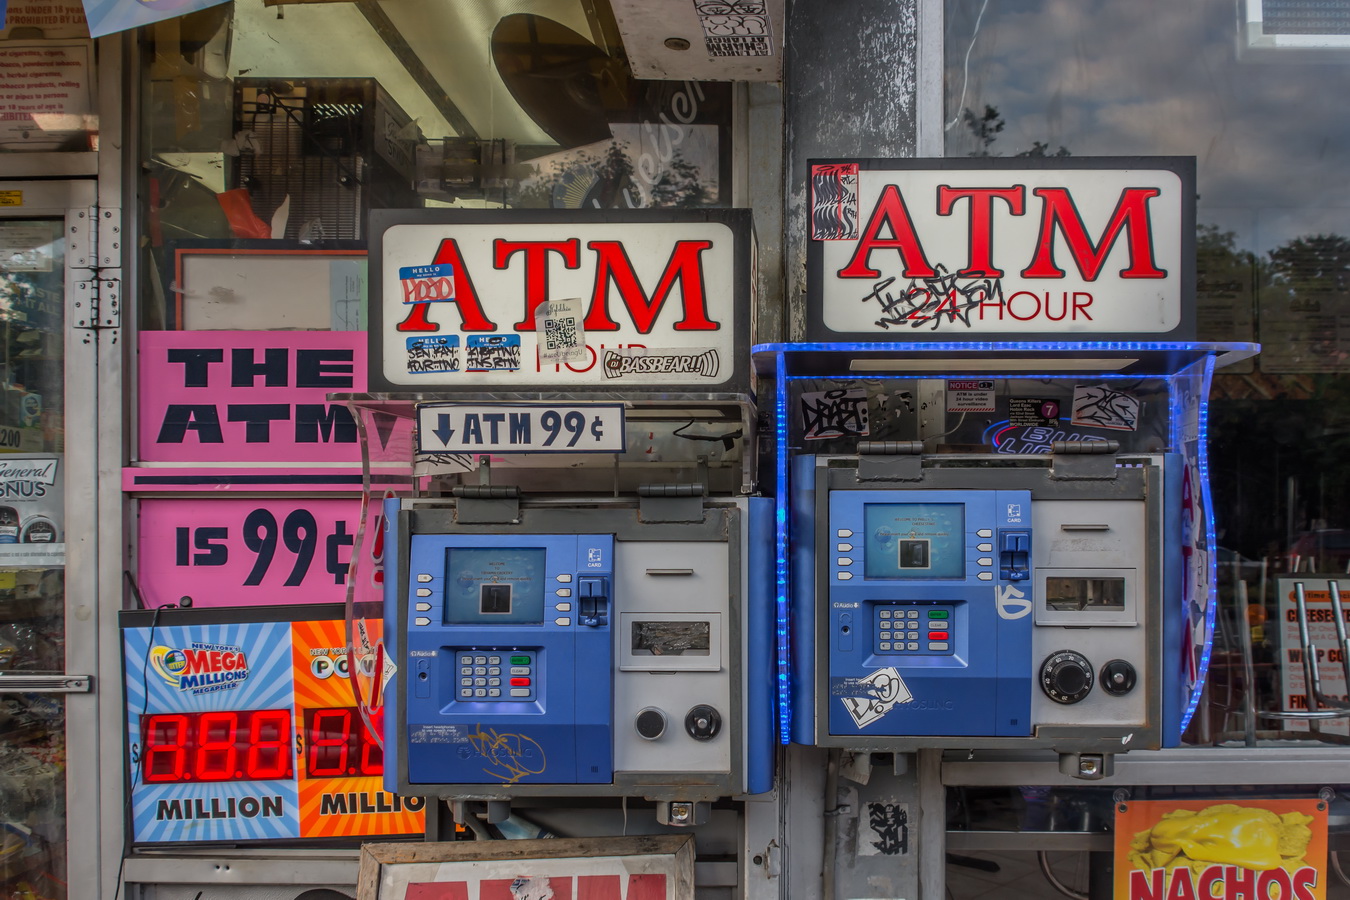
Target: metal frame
72	203
117	172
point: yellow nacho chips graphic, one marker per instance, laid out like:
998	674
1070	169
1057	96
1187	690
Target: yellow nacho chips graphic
1202	850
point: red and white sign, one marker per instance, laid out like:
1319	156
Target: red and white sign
959	250
459	292
651	867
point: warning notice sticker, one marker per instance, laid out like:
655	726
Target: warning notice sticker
970	395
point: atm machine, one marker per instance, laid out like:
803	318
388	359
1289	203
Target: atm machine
996	531
991	601
604	649
578	596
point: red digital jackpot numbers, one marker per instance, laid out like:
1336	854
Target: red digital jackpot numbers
223	745
338	744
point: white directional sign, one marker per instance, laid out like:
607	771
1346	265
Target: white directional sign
520	428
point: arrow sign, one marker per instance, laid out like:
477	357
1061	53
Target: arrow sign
443	429
520	428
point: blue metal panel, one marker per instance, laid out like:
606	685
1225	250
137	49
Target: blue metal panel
1175	626
524	701
802	713
936	569
392	632
760	622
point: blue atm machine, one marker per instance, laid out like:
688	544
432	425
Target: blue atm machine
988	601
608	648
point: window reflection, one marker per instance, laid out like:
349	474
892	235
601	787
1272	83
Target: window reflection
1043	78
256	130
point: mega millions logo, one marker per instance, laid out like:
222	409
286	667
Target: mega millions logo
201	668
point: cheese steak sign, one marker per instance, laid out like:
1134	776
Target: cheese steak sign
620	301
1005	250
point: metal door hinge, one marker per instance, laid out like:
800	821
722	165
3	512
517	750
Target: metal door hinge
94	242
98	303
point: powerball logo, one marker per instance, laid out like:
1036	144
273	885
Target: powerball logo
201	668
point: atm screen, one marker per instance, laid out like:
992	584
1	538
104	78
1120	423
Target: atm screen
503	585
914	540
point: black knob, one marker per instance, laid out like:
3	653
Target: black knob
650	723
703	722
1118	677
1066	676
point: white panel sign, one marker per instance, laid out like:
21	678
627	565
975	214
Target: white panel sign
503	303
1003	253
503	428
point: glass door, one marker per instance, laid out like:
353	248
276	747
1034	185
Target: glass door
48	721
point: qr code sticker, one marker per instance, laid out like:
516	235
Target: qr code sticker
560	334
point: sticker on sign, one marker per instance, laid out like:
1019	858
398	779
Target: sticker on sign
505	428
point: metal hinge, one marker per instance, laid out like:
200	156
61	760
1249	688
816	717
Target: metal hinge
98	303
95	244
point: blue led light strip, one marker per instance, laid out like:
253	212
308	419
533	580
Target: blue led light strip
1211	607
780	502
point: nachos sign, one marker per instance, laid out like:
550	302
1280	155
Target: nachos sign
490	300
1080	249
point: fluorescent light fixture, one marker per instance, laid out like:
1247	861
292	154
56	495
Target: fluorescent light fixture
947	364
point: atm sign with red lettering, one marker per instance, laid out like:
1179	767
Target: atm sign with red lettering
980	249
674	284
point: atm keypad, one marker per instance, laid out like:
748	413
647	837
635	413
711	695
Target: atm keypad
484	682
913	629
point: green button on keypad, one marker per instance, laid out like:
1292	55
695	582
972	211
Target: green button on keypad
937	614
520	660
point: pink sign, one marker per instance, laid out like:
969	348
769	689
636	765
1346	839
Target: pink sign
249	396
253	552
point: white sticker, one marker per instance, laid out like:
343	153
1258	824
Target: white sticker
883	828
970	395
883	690
736	28
1098	406
657	364
1012	603
25	247
561	336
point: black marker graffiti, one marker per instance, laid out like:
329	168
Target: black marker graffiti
890	823
463	461
492	357
831	414
1106	408
943	297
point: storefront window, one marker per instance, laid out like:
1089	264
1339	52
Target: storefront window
1036	78
32	577
287	123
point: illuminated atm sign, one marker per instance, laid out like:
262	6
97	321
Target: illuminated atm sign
1080	249
631	301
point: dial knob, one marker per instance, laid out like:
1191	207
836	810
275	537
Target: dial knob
1118	677
1066	676
703	722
